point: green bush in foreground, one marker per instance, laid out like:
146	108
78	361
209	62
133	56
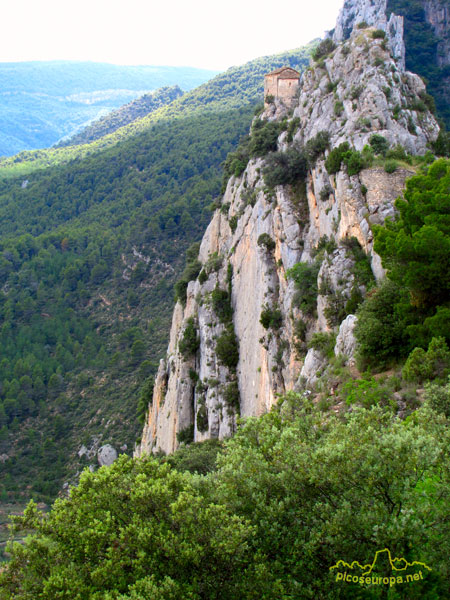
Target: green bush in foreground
293	494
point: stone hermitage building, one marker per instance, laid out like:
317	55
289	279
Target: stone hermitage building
282	84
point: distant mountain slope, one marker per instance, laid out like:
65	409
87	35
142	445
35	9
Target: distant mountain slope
41	102
135	109
89	251
234	88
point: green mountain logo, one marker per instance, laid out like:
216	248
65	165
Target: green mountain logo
402	571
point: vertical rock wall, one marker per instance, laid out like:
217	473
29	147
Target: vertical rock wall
258	234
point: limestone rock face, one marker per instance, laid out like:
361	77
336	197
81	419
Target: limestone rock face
106	455
345	340
373	13
250	331
312	367
360	90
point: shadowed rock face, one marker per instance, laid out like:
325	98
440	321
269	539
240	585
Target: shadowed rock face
258	235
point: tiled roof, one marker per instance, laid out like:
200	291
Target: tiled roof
285	73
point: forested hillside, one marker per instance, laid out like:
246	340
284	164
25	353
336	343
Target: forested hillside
90	249
136	109
41	102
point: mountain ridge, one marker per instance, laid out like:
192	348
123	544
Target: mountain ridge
41	102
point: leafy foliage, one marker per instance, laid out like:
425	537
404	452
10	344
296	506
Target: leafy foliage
221	304
271	318
304	276
190	342
432	364
380	329
227	349
324	48
413	307
364	480
285	168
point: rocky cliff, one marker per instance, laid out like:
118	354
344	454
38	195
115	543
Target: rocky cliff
437	14
282	262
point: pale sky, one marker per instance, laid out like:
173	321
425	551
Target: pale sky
198	33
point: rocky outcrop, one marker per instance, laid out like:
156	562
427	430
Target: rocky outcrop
359	90
345	340
106	455
242	336
373	14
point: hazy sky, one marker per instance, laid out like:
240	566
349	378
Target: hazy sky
200	33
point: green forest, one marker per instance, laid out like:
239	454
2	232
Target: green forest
263	517
90	248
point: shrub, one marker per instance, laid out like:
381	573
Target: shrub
325	47
269	99
203	276
231	395
361	269
418	105
323	343
380	330
356	91
294	124
236	161
202	418
335	309
438	397
428	100
434	363
362	25
214	262
221	304
379	144
378	34
190	342
285	168
398	153
338	108
390	166
227	349
354	301
317	146
198	457
233	223
354	162
186	435
325	192
266	241
442	145
325	243
264	137
367	392
334	159
271	318
305	277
